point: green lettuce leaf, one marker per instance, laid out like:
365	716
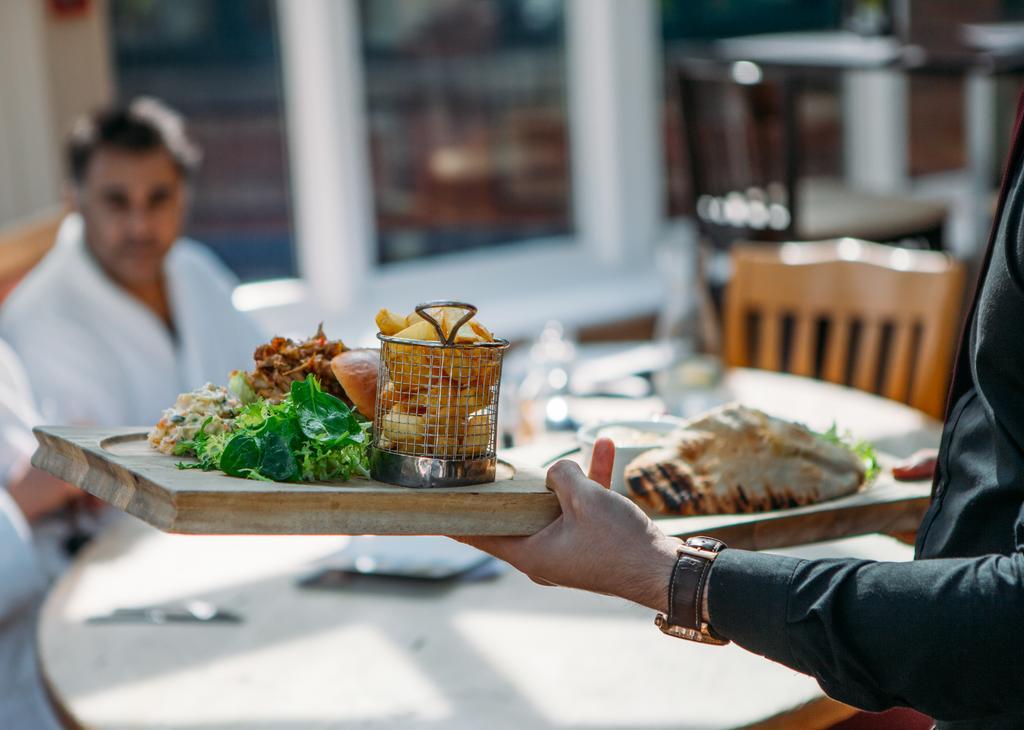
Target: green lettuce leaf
863	449
309	436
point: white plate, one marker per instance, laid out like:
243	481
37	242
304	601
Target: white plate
624	454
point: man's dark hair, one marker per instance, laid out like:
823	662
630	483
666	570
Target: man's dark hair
144	125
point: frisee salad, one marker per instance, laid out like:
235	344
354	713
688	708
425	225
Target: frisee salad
309	436
864	449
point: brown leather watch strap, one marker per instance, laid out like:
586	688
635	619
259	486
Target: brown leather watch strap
686	591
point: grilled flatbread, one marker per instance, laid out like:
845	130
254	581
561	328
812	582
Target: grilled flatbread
736	459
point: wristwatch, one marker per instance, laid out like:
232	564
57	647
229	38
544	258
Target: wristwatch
686	592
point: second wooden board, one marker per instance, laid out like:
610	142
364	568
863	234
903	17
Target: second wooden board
118	466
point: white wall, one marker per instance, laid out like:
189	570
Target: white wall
51	70
79	66
29	171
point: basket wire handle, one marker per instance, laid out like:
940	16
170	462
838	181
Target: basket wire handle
421	310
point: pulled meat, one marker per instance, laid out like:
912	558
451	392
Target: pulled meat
282	361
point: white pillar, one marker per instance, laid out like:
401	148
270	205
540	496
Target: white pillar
615	102
29	169
80	49
875	129
328	146
980	120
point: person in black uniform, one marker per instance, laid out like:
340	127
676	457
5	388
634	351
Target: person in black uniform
943	634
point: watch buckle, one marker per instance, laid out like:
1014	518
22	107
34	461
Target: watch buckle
681	632
685	549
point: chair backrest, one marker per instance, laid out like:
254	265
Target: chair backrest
24	243
879	318
740	132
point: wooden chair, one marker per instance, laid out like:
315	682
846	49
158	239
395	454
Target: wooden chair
880	318
24	243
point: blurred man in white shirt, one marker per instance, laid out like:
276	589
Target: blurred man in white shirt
123	314
27	495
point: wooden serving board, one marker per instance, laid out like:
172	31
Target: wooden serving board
118	466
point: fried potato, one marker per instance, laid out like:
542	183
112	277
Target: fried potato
389	322
442	443
403	430
436	399
472	367
446	405
388	397
422	330
411	364
394	394
467	335
470	332
482	332
414	317
450	317
477	439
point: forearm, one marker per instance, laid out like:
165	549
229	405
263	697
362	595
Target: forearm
38	494
22	488
940	635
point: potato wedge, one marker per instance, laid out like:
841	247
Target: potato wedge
422	330
447	406
389	396
403	430
482	332
390	323
437	400
450	317
475	367
477	439
467	335
411	365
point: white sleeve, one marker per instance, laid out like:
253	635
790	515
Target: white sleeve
20	577
18	415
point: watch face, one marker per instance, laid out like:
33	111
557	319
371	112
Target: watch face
706	543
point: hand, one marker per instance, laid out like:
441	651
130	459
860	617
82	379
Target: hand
601	542
38	494
921	465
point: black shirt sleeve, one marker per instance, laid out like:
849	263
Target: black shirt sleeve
943	636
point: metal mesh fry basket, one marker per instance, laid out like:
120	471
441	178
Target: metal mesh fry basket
436	418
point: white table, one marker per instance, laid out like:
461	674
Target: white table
504	653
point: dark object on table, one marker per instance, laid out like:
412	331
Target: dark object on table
78	537
199	612
416	557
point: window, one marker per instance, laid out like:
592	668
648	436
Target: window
504	152
467	123
216	62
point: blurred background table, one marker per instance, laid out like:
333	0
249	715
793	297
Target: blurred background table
499	653
875	74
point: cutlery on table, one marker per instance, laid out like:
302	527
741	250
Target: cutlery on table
196	611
